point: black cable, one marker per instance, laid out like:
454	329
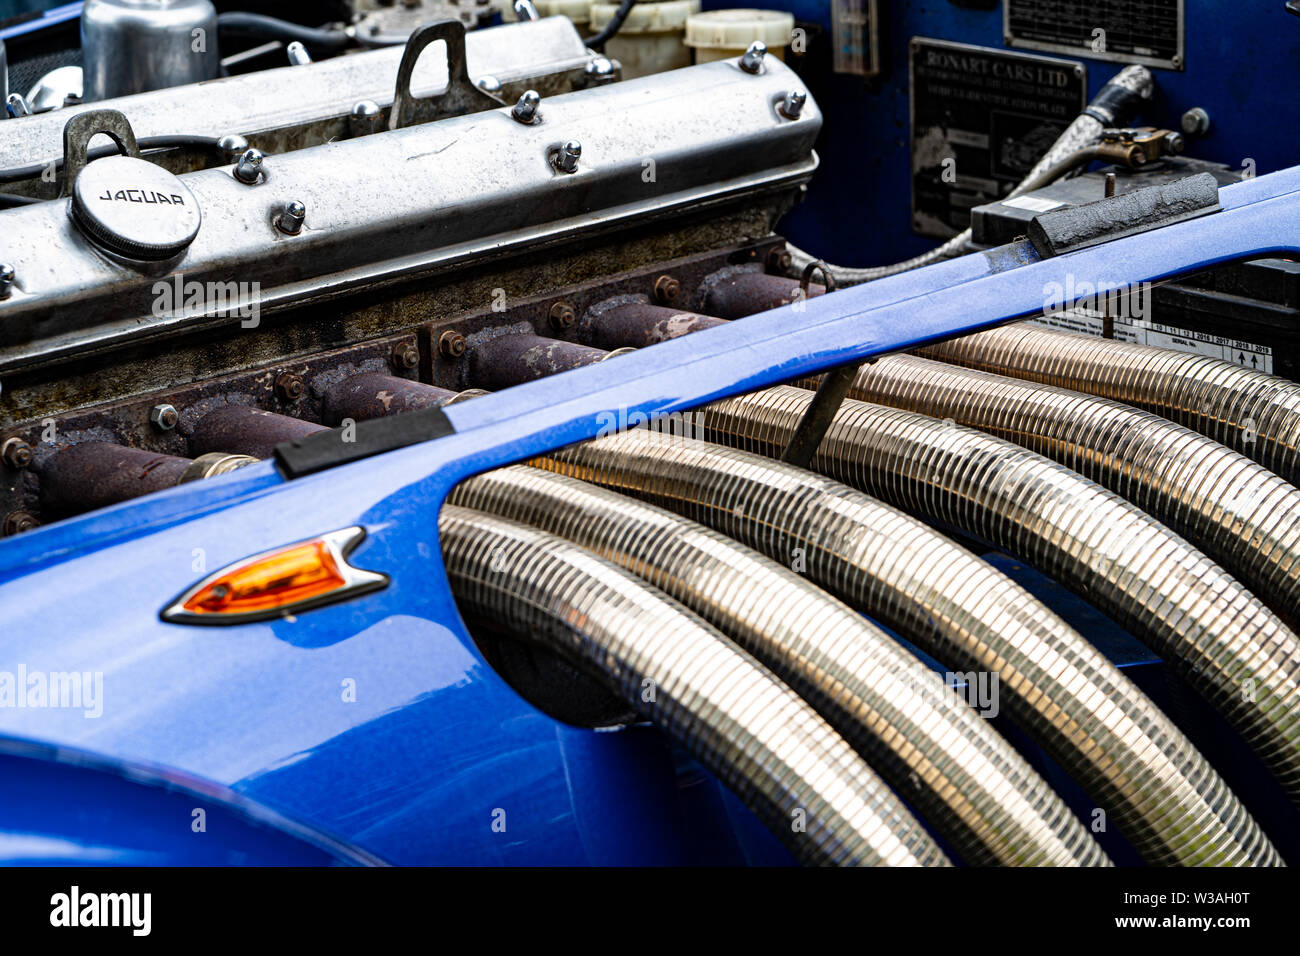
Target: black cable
598	41
9	200
19	173
259	27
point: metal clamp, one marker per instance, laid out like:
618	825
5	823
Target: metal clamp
461	95
81	129
817	265
830	394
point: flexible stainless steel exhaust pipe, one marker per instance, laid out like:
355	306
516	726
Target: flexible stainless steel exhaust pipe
959	773
1253	413
730	712
1147	777
1236	511
1226	643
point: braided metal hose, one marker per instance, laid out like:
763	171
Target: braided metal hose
1249	411
1149	779
1228	645
1237	512
762	740
959	773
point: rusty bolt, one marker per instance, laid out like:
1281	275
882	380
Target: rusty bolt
451	344
666	288
779	260
289	387
562	315
164	417
16	453
405	356
16	522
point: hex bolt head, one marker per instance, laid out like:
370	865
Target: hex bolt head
298	55
525	111
251	167
793	104
451	344
489	84
666	288
405	356
18	105
525	10
1195	122
291	218
164	417
16	453
752	61
1174	143
563	315
7	277
16	522
779	260
289	386
567	156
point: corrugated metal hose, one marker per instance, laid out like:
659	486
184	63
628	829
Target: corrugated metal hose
1236	511
1219	636
963	776
1147	776
1254	413
724	707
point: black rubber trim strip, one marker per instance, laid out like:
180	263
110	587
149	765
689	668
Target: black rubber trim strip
1140	210
313	453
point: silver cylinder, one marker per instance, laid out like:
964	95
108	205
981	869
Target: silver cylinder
131	46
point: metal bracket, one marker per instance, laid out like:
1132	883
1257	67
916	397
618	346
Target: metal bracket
461	95
84	127
828	398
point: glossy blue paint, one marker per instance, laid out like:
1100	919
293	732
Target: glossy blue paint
858	211
65	809
377	721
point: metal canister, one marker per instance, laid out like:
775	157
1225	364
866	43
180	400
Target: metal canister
130	46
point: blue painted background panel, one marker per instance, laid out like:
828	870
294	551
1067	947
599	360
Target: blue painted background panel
1242	64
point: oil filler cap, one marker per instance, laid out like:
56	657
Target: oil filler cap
135	208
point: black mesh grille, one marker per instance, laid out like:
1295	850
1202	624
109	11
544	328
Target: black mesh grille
24	74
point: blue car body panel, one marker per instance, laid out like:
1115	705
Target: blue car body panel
376	721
